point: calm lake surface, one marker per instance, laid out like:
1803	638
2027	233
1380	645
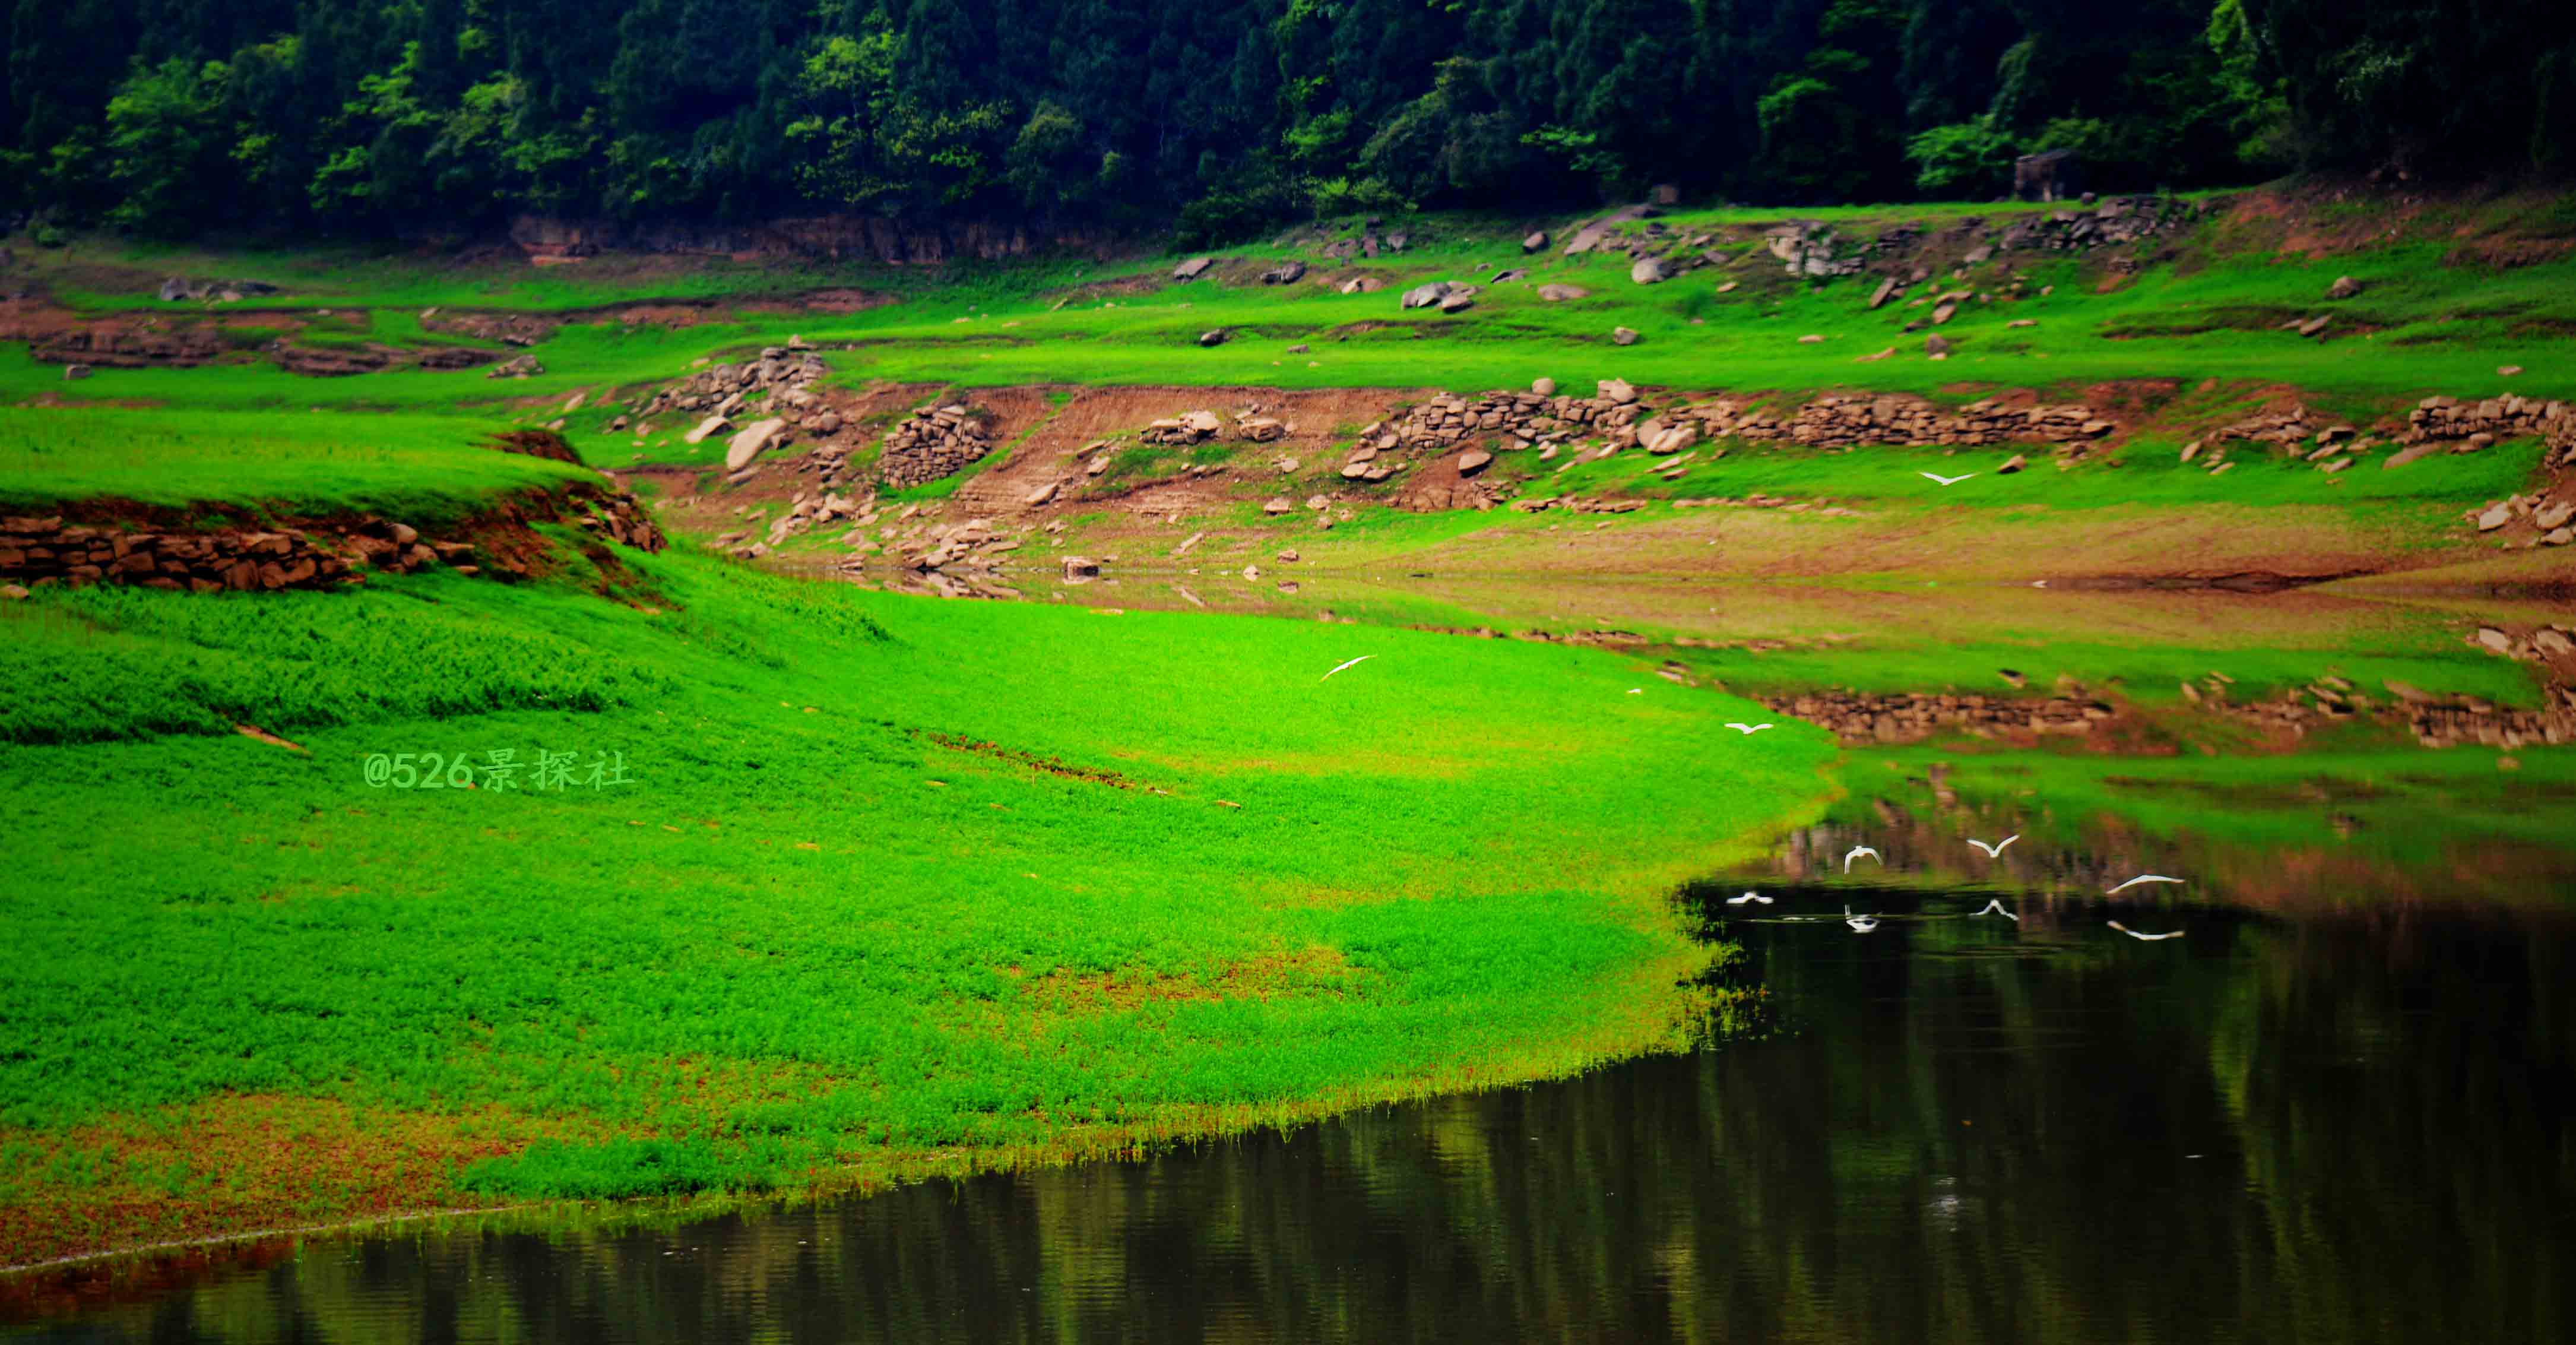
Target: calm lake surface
2336	1108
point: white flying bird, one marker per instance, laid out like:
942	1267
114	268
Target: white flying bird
1856	852
1746	729
2148	937
1996	907
1749	896
1859	923
1339	666
2143	878
1996	850
1945	480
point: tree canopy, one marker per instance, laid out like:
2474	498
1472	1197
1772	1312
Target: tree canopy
171	117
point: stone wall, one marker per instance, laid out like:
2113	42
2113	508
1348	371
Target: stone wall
1618	418
315	554
1906	717
47	550
931	443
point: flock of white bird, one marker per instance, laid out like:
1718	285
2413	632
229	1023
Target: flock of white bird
1865	923
1862	924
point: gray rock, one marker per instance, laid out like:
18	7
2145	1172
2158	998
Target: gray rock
1193	268
1560	293
1623	336
1424	296
1648	271
1535	241
1456	303
753	440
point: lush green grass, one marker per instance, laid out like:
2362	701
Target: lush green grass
811	937
425	467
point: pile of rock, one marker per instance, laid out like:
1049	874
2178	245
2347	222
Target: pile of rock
806	511
521	366
2552	522
931	443
617	516
1908	717
1573	504
1197	427
44	551
2114	221
719	392
971	545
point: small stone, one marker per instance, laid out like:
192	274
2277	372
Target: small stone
12	592
1811	339
1535	241
2495	517
1279	505
2508	370
1544	387
1936	345
2345	287
1289	557
1212	338
1473	461
1624	336
2012	464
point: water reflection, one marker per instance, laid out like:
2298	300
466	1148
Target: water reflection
1951	1128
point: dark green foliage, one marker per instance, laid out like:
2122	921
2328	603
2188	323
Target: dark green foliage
175	116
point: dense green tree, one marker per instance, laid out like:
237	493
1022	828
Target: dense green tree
170	115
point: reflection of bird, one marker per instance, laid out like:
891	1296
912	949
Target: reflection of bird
1995	850
1856	852
1746	729
1749	896
1859	923
1338	667
1945	480
2144	878
2148	937
1996	907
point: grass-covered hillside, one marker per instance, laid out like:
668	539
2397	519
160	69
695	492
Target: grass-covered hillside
769	882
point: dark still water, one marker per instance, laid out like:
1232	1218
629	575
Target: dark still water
1948	1128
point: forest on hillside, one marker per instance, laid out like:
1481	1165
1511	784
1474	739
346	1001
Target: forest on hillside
176	117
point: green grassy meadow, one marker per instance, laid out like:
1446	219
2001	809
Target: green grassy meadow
859	906
870	886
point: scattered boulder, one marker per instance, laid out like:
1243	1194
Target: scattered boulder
1535	241
1425	296
704	428
73	373
1887	289
1544	387
1456	303
1936	345
1363	285
1285	273
2012	464
1469	463
1624	336
2345	287
1557	294
1212	338
1193	268
1648	271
